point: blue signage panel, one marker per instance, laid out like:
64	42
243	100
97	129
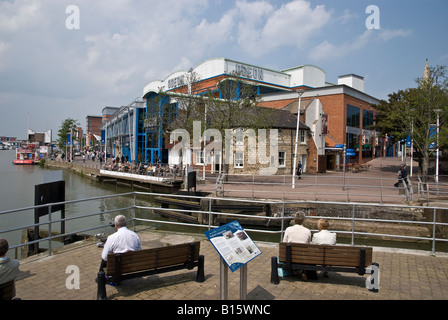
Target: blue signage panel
233	244
408	142
339	146
349	150
350	153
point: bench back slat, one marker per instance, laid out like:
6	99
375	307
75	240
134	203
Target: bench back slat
337	255
147	259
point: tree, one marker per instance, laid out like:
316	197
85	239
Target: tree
414	112
65	128
232	105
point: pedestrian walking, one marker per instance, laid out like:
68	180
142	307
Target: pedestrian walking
299	170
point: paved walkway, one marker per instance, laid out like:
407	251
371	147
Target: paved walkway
374	185
404	275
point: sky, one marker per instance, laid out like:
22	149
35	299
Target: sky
64	59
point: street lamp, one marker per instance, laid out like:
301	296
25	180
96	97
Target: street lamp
437	154
300	92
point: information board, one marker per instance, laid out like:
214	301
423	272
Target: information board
233	244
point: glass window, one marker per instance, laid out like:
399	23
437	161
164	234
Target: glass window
239	134
281	158
200	157
239	159
302	136
367	119
353	116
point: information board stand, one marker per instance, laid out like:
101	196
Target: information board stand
236	249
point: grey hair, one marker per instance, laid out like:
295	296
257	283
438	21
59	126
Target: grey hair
120	221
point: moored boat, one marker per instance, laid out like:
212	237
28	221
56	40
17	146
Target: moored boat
27	154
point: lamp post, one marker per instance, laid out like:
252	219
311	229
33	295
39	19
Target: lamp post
300	92
437	153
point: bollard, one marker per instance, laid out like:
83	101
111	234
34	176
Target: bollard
274	272
101	295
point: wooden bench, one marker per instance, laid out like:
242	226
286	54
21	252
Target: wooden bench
7	290
339	258
140	263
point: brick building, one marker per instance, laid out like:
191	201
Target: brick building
339	114
331	115
93	130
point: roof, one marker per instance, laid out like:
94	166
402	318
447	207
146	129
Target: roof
277	104
283	119
293	106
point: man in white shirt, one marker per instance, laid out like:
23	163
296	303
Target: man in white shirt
297	233
123	240
324	236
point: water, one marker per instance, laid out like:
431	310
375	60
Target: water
17	191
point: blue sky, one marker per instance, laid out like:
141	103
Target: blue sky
49	72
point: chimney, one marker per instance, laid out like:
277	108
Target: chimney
352	80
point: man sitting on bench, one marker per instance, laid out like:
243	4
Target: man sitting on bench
299	234
123	240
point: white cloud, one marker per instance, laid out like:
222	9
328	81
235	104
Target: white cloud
264	28
386	34
19	15
327	50
294	23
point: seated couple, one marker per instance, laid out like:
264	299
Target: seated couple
299	234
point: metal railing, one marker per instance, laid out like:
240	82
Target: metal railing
351	186
314	187
283	209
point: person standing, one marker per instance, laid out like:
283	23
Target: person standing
299	170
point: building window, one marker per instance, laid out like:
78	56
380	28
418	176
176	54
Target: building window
353	116
367	119
199	157
239	159
302	136
281	158
239	134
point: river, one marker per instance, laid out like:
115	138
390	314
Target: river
17	183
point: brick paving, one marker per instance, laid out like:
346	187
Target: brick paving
404	275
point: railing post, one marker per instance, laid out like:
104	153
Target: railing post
253	185
283	221
49	231
133	210
381	190
434	216
209	213
353	225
